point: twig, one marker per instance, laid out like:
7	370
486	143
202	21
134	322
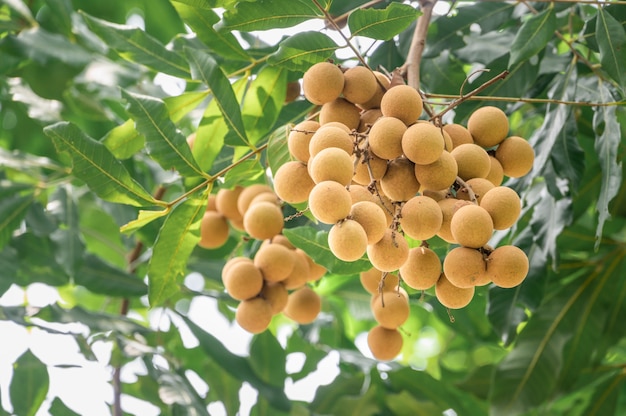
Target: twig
412	65
470	191
519	99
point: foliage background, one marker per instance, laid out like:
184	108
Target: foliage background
89	203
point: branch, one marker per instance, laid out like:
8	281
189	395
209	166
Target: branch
519	99
412	65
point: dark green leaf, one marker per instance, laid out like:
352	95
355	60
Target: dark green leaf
611	38
124	140
57	407
22	9
268	14
101	233
567	155
12	211
533	36
97	167
386	55
267	359
29	385
69	248
382	24
165	143
96	321
9	269
442	74
105	279
302	50
42	46
36	258
263	101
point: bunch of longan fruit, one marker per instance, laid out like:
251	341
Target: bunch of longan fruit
386	181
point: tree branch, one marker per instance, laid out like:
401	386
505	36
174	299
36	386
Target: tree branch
411	67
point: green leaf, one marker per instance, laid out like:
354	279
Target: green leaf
29	385
180	105
9	269
22	9
165	143
57	407
135	45
245	173
302	50
267	359
205	68
611	38
69	248
178	236
101	233
42	46
264	99
124	140
143	218
96	321
382	24
100	277
60	13
567	156
268	14
277	148
97	167
315	244
12	211
37	261
533	36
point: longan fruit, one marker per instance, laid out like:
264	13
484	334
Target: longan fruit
347	240
247	195
447	140
263	220
390	252
372	281
458	133
385	137
402	102
322	83
399	182
438	175
329	202
226	202
451	296
368	118
390	309
231	262
331	164
372	218
243	280
448	208
301	271
316	271
254	315
330	136
471	226
382	85
299	138
504	206
507	266
292	182
341	110
360	193
377	165
266	197
421	217
465	267
496	173
488	126
303	305
275	262
276	295
480	186
472	161
280	239
211	202
339	125
213	230
422	268
436	195
360	84
384	344
422	143
516	156
191	140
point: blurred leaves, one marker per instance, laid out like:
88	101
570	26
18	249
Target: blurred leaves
382	24
29	384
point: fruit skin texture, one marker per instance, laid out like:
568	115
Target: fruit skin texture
374	102
471	226
507	266
422	143
330	136
399	182
254	315
226	203
421	217
458	134
372	218
243	280
330	202
322	83
361	171
516	156
480	186
402	102
299	138
332	164
341	110
448	208
303	305
347	240
275	262
503	205
451	296
276	295
292	182
472	161
465	267
300	273
384	344
422	269
438	175
360	85
263	220
247	195
488	126
390	309
385	137
389	253
371	280
213	230
496	173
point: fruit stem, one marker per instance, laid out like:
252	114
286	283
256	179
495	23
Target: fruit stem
414	58
468	188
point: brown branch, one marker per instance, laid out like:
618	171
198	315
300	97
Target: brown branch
414	58
519	99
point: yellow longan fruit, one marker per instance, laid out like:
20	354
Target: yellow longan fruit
390	309
451	296
347	240
372	281
496	173
299	138
448	208
322	83
211	202
480	186
330	136
280	239
300	273
362	172
402	102
471	226
438	175
384	344
422	143
504	206
339	125
488	126
360	84
341	110
275	262
458	133
276	295
447	140
266	197
303	305
422	269
507	266
368	118
231	262
254	315
516	156
436	195
243	280
263	220
226	202
332	164
372	218
360	193
316	271
329	202
465	267
421	217
374	102
472	161
390	252
247	195
213	230
399	182
292	182
385	137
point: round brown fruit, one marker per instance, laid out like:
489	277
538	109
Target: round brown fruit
385	137
316	271
247	195
488	126
368	118
263	220
465	267
292	182
402	102
458	134
243	280
399	182
213	230
496	173
300	273
226	203
372	218
341	110
299	138
480	186
360	85
422	143
303	305
504	206
372	281
421	217
275	262
361	193
516	156
472	161
390	252
347	240
322	83
471	226
332	164
448	208
330	136
390	309
451	296
329	202
381	87
438	175
276	295
254	315
507	266
384	344
422	269
377	165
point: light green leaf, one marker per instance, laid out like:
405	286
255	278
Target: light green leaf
177	238
165	143
124	140
22	9
12	211
69	248
533	36
267	359
42	46
245	173
302	50
268	14
277	148
611	38
382	24
264	99
135	45
57	407
29	384
180	105
97	167
143	218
